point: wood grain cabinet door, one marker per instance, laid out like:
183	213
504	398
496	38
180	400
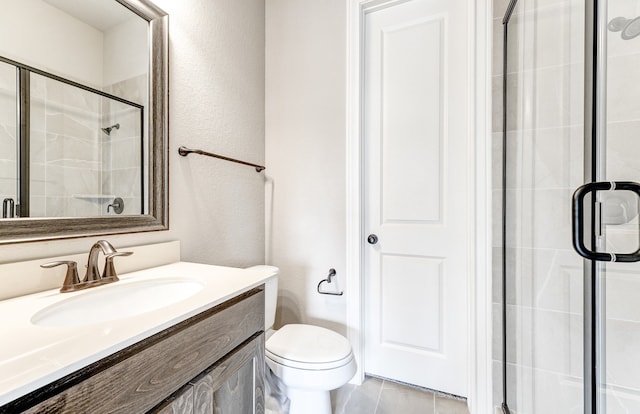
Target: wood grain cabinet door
234	385
180	403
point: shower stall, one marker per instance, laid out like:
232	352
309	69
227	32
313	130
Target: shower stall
568	72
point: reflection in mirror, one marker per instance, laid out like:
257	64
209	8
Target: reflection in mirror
83	103
8	135
83	148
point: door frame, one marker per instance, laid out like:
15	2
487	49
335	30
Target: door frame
479	248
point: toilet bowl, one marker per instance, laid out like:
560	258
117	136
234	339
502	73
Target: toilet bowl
309	360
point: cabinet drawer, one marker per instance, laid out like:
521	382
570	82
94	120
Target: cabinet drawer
139	377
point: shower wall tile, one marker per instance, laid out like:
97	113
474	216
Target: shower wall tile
622	285
132	205
496	104
38	206
518	221
539	218
551	280
38	180
70	158
551	213
7	140
496	222
134	89
497	330
622	401
38	147
126	153
72	148
8	169
557	157
516	113
126	181
617	46
558	34
8	186
498	41
54	207
497	380
7	104
496	274
81	126
623	341
545	340
129	120
65	181
557	95
623	150
496	154
499	8
544	289
8	183
60	206
537	388
623	88
122	149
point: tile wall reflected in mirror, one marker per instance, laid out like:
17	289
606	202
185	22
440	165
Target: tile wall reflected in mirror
8	148
85	150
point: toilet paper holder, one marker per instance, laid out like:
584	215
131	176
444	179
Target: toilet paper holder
332	273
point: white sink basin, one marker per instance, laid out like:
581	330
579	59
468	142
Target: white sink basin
116	301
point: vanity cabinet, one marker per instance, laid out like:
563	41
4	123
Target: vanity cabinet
210	363
227	387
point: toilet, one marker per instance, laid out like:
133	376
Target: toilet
309	360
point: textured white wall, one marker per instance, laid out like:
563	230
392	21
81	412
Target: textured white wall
37	34
126	48
305	153
217	103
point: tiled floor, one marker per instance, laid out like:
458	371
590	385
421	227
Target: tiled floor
376	396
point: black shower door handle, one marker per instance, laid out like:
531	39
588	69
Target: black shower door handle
578	220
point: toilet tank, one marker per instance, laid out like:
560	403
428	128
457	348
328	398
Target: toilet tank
270	294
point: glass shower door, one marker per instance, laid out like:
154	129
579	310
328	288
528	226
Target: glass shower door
544	159
572	326
619	307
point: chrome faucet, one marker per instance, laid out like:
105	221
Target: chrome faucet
92	277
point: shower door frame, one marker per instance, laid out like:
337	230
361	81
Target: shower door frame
595	124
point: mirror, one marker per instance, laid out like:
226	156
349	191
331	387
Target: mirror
83	118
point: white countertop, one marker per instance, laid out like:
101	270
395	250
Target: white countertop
33	356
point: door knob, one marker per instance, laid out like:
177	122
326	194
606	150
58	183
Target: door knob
372	239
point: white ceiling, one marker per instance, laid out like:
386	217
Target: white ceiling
101	14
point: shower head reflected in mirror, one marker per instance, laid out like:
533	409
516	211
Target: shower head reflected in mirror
628	28
108	130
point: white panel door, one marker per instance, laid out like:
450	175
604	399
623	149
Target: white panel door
415	109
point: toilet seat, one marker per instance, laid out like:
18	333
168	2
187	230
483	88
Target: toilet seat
308	347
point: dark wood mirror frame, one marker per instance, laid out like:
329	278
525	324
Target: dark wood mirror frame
28	229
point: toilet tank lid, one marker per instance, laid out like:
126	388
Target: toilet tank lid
270	270
308	344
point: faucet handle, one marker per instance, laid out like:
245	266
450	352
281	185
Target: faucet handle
109	271
71	279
